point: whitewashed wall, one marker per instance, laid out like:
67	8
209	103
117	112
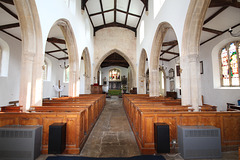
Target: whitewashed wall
105	73
10	85
214	95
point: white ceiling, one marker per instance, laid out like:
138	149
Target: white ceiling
226	19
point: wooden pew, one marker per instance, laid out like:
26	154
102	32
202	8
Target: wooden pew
75	136
11	108
89	120
142	117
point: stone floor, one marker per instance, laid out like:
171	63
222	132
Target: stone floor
113	137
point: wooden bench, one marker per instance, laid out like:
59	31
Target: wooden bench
11	108
142	117
75	137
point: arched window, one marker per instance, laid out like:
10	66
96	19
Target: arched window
66	75
229	61
4	58
45	69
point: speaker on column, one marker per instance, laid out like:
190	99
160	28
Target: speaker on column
161	137
57	138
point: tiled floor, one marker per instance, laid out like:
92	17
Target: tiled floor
113	137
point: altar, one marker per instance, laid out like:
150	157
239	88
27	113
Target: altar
115	85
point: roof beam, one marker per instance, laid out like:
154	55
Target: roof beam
129	2
94	14
220	3
114	25
164	59
212	30
170	43
56	40
52	56
145	2
10	35
8	26
7	1
174	53
220	34
59	50
115	12
63	58
100	1
167	49
215	14
8	11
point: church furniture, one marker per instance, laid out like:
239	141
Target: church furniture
11	108
171	94
142	119
96	89
161	137
13	103
75	136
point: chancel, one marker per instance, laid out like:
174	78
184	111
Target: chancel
133	74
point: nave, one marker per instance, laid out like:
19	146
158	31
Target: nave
113	137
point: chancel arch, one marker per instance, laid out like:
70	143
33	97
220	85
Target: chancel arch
132	77
142	72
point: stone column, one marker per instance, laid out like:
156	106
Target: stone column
26	80
191	83
142	85
154	89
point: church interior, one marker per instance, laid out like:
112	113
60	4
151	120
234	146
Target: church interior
120	78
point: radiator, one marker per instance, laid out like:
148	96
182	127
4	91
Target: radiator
20	142
199	142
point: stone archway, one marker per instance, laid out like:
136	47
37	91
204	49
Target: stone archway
133	74
190	76
154	90
32	54
141	73
87	73
73	59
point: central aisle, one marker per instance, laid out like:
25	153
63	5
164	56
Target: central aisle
111	135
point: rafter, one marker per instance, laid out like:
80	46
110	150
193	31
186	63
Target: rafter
8	11
167	49
215	14
115	12
129	3
164	59
52	56
220	3
56	40
59	48
63	58
220	34
7	1
212	30
174	53
170	43
114	25
10	35
8	26
100	1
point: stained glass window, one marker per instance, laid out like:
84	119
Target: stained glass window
230	65
114	75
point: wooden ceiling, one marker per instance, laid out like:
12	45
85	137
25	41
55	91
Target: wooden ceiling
115	13
114	60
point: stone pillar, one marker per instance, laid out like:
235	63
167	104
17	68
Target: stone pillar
191	83
154	89
26	80
72	83
37	82
142	85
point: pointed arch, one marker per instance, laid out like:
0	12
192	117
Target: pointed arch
32	54
190	76
141	72
154	58
73	58
133	74
88	72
